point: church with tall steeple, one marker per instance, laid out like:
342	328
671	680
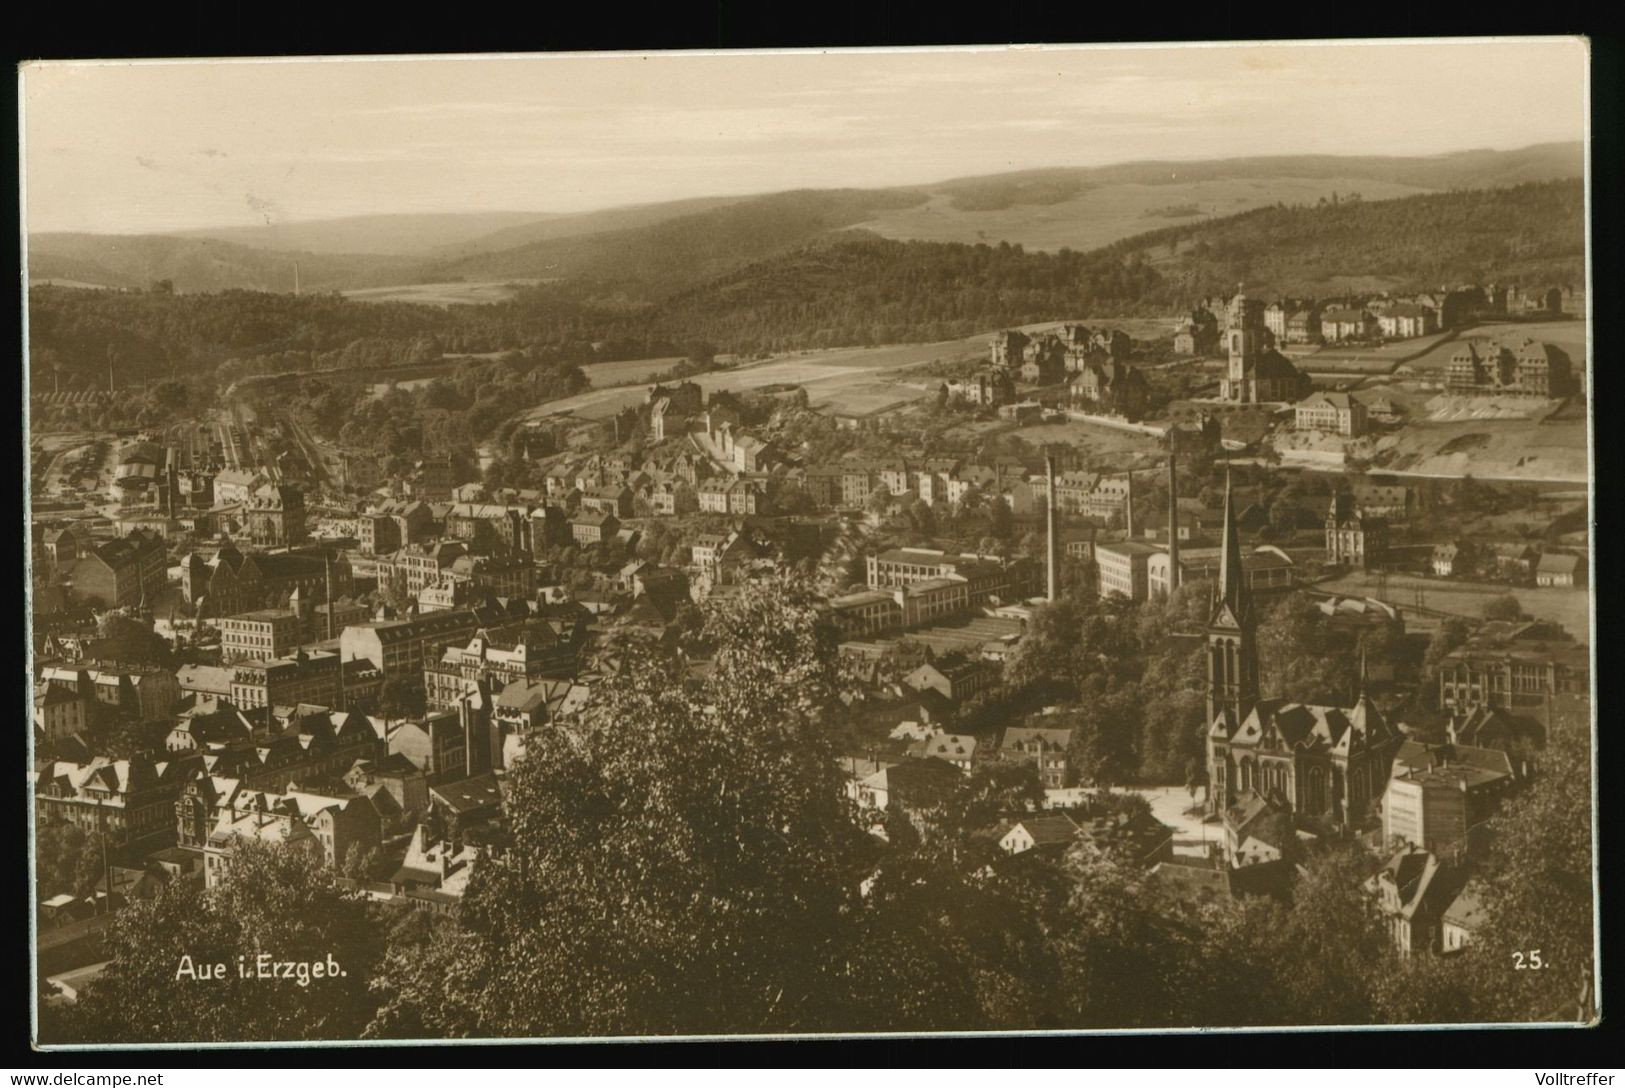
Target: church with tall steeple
1257	372
1327	765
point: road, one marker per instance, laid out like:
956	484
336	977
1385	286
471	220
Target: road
1169	804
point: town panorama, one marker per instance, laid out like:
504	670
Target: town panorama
1151	593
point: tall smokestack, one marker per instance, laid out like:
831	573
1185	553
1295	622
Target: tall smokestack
1128	507
1050	542
1173	527
296	277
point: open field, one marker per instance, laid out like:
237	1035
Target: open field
1091	440
839	380
627	371
1369	360
1101	214
443	294
1569	607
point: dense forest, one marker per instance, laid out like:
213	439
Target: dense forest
846	288
1528	234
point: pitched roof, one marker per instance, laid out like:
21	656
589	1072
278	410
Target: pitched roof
1049	829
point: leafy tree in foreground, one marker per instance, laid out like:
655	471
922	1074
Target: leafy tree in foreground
1538	893
683	865
275	900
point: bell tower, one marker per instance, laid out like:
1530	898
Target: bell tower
1244	338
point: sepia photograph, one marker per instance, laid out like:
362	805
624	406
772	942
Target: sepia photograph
998	540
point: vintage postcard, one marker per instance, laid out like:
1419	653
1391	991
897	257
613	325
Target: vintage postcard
1044	539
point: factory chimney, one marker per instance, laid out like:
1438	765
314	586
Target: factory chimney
296	277
1050	546
1128	507
1173	527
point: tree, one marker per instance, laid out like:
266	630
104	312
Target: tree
1304	658
661	857
1504	607
275	904
1451	634
1538	892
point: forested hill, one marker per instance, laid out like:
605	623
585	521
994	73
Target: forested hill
652	261
857	289
849	288
1527	233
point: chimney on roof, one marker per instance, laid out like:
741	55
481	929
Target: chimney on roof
1128	506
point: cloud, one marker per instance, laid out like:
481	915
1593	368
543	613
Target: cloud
144	161
210	152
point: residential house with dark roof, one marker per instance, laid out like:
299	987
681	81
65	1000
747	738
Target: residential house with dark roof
1046	749
1554	569
1048	833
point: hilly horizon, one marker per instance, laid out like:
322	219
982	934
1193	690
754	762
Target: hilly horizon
652	250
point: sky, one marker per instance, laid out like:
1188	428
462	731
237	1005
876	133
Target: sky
159	146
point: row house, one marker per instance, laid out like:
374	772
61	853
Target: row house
670	498
613	499
141	693
1340	324
419	565
261	635
1404	320
330	827
495	662
131	801
303	743
314	678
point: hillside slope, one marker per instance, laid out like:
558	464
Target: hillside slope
396	235
202	264
851	288
854	288
652	250
689	249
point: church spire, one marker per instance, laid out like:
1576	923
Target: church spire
1232	583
